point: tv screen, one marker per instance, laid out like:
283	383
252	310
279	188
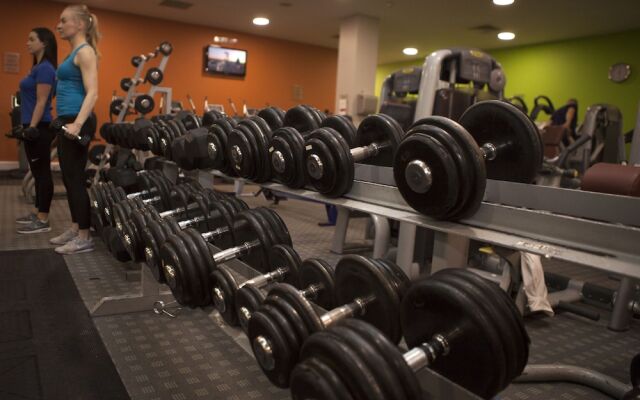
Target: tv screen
225	61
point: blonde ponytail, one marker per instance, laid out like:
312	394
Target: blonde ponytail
90	22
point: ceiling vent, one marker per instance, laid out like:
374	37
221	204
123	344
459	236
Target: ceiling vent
182	5
485	28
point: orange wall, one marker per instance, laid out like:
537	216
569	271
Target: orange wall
273	66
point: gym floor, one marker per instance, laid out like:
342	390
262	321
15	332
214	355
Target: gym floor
195	355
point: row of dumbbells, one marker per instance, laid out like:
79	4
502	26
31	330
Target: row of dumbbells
296	313
285	309
440	166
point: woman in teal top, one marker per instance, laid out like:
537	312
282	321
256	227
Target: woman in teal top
76	95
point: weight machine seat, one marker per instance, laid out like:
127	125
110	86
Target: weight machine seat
612	178
552	136
459	101
401	112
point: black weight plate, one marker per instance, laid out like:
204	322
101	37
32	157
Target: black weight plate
205	257
331	350
222	281
345	163
503	125
297	324
446	136
472	153
303	307
219	138
272	117
317	115
193	289
131	242
200	271
269	235
240	138
296	142
515	334
486	306
343	126
358	277
285	257
248	299
247	228
300	118
173	274
287	171
262	325
401	279
117	247
394	361
327	182
263	138
433	306
442	195
384	377
312	379
226	220
153	238
275	226
314	271
283	370
379	128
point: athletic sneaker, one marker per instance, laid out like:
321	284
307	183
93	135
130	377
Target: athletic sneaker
64	237
27	219
36	226
75	246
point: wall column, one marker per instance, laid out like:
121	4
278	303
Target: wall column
357	61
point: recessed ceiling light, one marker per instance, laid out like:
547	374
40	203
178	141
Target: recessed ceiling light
261	21
410	51
503	2
506	35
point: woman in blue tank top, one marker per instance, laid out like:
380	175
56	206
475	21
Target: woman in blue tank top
77	92
36	91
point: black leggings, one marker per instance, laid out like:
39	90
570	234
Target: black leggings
73	161
39	155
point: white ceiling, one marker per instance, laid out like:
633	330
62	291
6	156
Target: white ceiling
425	24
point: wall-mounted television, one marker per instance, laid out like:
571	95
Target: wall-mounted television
225	61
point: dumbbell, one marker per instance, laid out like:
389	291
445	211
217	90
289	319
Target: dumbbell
236	302
454	322
329	160
441	166
187	201
120	232
104	196
248	149
156	230
367	288
86	131
187	261
288	144
206	148
154	76
164	131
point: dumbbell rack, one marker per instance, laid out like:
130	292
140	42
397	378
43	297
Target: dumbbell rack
150	293
131	93
592	229
433	385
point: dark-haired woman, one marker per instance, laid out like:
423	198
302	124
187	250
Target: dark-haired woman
76	95
36	90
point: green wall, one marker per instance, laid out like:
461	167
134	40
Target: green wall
571	68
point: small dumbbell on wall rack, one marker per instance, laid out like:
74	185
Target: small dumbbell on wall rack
441	166
454	322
